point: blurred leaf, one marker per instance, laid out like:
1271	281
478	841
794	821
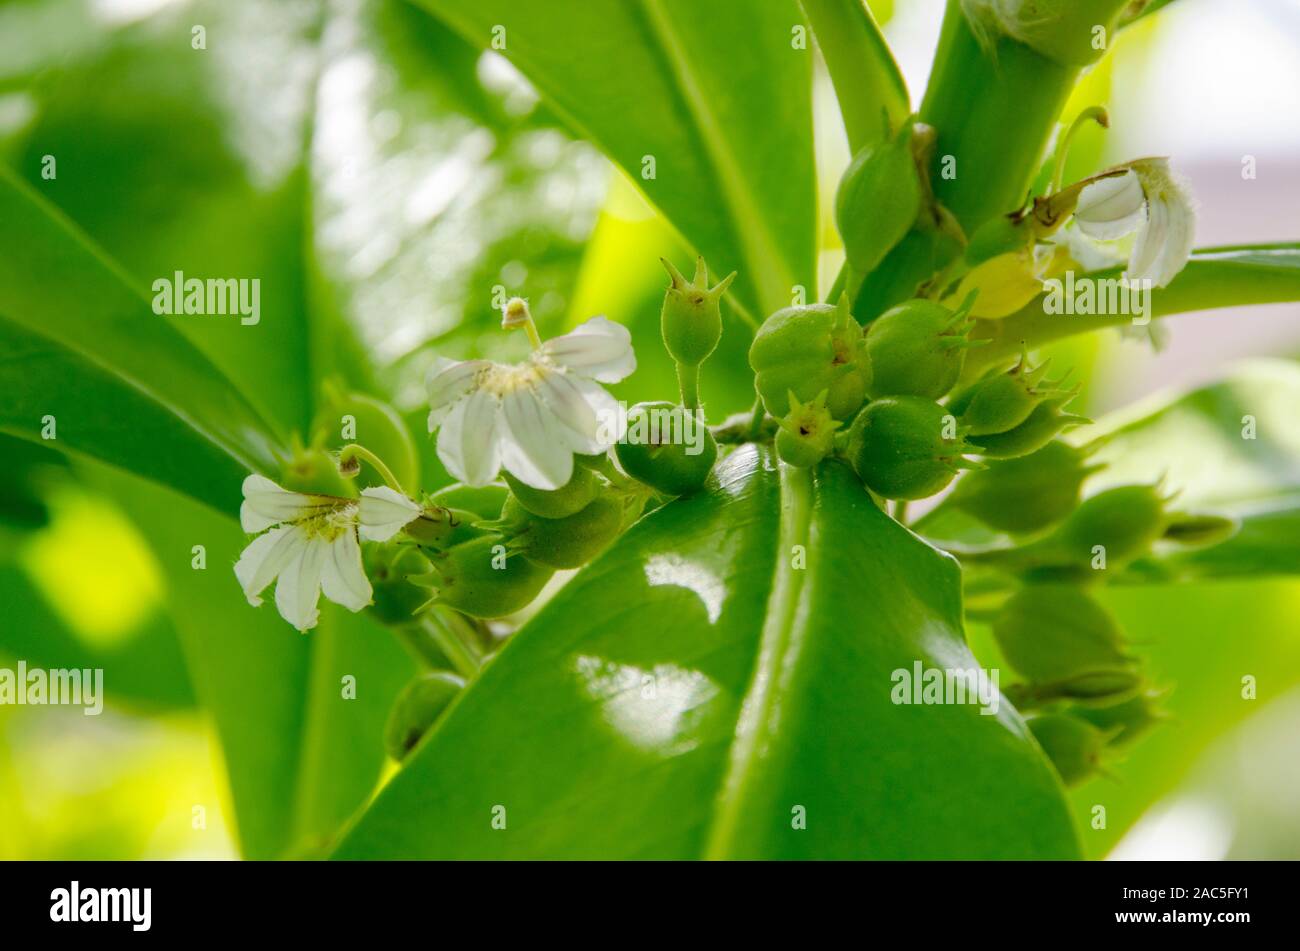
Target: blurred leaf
82	345
1213	278
695	691
730	137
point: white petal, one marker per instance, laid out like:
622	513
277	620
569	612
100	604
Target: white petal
266	504
599	349
532	448
264	557
448	382
1163	247
467	443
590	419
342	577
1111	207
384	513
297	590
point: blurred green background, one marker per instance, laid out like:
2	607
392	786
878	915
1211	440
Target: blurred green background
383	177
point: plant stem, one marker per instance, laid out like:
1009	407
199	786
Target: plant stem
688	381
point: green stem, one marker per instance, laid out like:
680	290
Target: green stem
868	84
357	451
756	418
688	381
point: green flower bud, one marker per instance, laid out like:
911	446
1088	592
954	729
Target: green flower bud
1001	401
1200	530
485	501
691	320
417	709
1126	721
1026	494
1054	634
917	349
1071	32
878	200
804	350
568	542
1074	746
906	447
483	579
569	498
1044	422
1126	521
314	471
389	566
346	417
807	433
667	447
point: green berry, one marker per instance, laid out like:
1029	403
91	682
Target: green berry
1056	634
484	579
569	498
1040	427
691	320
667	447
906	447
1001	401
917	349
806	350
1028	493
807	433
1124	521
417	709
1074	746
568	542
878	200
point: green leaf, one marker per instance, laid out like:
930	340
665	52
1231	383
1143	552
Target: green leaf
698	690
82	345
1233	448
1213	278
730	135
868	84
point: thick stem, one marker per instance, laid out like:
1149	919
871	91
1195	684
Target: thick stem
688	381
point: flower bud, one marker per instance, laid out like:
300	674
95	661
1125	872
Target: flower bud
347	417
807	433
691	320
1054	634
1001	401
568	542
569	498
1040	427
667	447
1071	32
878	200
900	447
917	349
1028	493
417	709
485	501
1125	521
483	579
1123	722
1200	530
1074	746
804	350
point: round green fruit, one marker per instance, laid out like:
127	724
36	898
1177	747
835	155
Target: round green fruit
906	447
805	350
667	447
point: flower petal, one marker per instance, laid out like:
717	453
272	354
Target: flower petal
532	447
1111	207
1163	247
343	578
264	558
266	504
384	513
467	443
297	591
599	349
590	419
447	382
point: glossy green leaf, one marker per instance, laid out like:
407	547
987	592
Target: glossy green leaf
1213	278
659	83
702	690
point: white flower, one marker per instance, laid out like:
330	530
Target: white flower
313	545
530	418
1147	199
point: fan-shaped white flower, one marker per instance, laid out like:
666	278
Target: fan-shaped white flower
1148	199
530	418
313	545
